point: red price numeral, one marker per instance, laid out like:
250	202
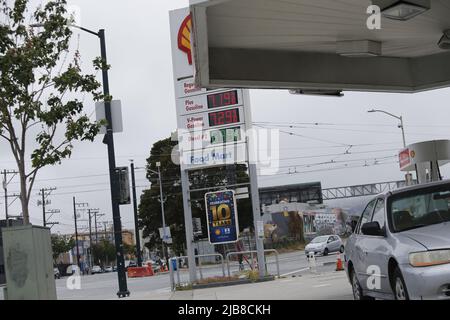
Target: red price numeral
229	116
220	118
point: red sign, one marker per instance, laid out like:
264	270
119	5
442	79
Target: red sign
184	37
404	158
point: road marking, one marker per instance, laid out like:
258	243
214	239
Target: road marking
322	285
293	272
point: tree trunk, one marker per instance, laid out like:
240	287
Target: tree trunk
23	193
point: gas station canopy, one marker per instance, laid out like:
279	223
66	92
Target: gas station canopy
321	46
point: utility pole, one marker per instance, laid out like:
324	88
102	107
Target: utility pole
51	212
75	213
90	212
45	192
90	240
96	213
5	188
136	221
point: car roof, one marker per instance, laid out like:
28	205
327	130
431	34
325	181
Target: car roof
412	188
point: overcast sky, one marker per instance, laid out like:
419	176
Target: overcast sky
138	42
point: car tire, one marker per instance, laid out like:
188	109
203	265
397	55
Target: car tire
325	252
356	288
398	286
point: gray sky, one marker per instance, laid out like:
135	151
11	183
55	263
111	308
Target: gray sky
139	51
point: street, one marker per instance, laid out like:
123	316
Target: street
104	286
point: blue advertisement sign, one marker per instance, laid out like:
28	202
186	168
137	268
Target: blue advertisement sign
221	214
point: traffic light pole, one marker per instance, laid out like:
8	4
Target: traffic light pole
109	140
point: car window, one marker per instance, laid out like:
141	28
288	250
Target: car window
366	215
420	208
379	213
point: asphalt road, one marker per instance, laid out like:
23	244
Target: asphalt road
104	286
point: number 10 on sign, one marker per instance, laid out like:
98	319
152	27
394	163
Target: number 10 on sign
221	214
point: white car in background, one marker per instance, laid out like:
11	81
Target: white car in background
96	269
324	245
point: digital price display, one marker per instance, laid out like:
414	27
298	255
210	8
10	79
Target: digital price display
225	117
226	135
223	99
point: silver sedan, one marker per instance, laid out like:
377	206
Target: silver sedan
400	248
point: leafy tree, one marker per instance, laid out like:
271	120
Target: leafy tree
150	208
150	218
61	244
129	249
41	114
104	251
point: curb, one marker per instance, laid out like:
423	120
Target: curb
231	283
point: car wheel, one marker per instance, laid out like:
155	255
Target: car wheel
399	286
325	252
341	250
356	288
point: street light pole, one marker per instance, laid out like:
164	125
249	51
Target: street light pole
165	253
408	176
400	118
136	221
109	140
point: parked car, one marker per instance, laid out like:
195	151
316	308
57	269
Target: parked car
400	248
72	269
56	273
96	269
109	269
325	245
130	263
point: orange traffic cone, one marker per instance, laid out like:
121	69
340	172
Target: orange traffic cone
339	264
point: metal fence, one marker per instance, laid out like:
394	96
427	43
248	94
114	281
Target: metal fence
254	252
173	283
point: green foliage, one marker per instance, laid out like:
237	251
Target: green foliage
104	251
41	89
150	218
150	208
129	249
61	244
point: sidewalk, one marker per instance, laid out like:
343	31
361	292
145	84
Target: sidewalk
328	286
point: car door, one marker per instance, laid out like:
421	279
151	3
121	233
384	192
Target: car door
377	252
335	244
359	256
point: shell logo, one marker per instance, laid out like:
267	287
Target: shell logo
218	233
184	37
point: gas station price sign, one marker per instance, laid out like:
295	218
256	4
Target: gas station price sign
221	214
223	117
223	99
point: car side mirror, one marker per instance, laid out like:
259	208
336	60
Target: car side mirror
372	229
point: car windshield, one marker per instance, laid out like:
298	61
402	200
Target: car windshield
320	239
420	208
